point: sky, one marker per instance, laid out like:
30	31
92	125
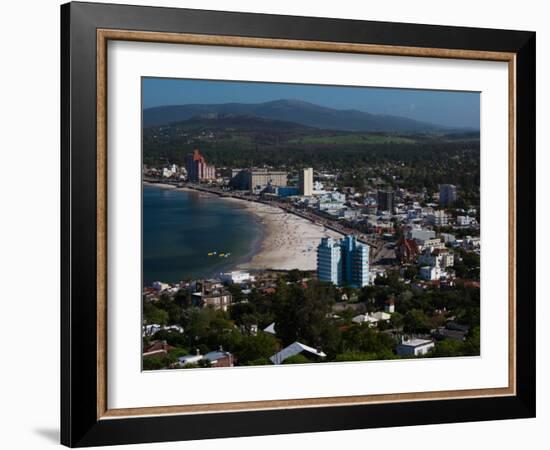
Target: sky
448	108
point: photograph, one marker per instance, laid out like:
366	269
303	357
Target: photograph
274	226
304	224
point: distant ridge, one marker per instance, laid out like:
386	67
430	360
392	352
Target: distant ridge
215	121
289	111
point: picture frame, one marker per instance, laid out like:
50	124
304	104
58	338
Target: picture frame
86	418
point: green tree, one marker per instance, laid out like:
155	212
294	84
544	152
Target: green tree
415	321
303	314
154	315
251	348
448	348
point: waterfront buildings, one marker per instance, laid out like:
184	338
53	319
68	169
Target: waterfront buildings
447	194
197	168
344	262
385	200
288	191
236	277
331	201
306	181
257	179
329	261
211	293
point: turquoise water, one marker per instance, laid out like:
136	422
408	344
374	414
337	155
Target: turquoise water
180	228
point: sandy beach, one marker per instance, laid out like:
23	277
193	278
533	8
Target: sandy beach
290	242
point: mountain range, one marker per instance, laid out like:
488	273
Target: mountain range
287	112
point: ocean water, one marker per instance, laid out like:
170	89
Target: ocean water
180	228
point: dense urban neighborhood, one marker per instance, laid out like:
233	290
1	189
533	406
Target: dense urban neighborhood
396	274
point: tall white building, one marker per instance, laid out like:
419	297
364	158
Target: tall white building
306	181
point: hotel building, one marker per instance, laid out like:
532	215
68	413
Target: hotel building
253	179
306	181
344	262
197	169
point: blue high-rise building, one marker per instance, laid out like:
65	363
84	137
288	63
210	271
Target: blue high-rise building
343	263
329	261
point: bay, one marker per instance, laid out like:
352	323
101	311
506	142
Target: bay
180	229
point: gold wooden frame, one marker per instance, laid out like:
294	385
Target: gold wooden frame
104	35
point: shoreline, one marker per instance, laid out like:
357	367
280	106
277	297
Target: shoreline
286	241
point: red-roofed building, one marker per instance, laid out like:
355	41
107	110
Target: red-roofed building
197	168
157	348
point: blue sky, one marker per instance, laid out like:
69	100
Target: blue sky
448	108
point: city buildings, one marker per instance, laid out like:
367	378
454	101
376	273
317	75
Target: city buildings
219	358
257	179
306	181
465	221
438	257
197	168
447	194
420	234
414	347
295	349
236	277
438	218
329	261
211	293
331	201
385	200
343	263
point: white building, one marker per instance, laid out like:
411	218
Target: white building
332	200
438	218
160	286
472	243
448	238
306	181
465	221
168	172
437	258
431	244
414	347
372	319
420	234
294	349
236	277
318	188
430	273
